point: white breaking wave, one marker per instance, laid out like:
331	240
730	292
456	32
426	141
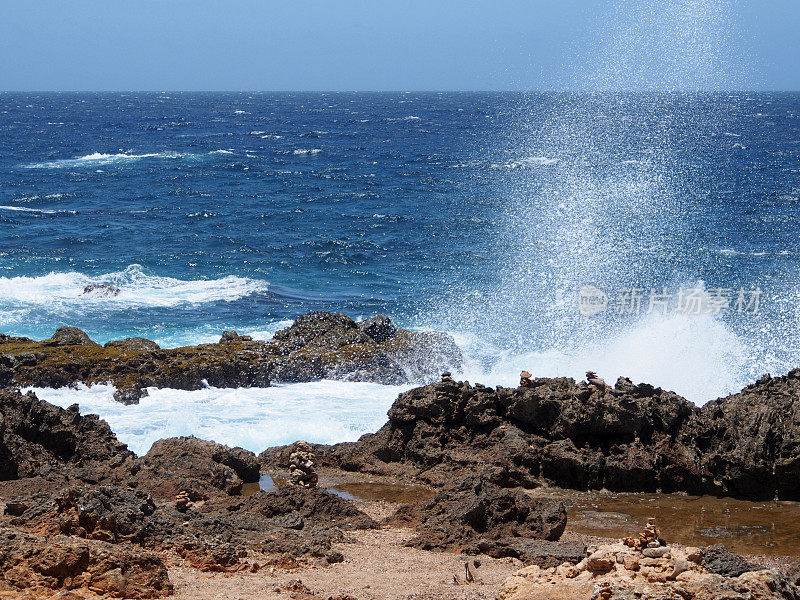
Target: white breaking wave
524	163
41	211
98	158
304	152
698	357
137	288
253	418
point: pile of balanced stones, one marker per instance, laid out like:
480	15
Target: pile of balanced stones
301	466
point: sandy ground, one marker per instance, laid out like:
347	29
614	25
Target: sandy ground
376	566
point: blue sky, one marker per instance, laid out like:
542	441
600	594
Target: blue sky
409	45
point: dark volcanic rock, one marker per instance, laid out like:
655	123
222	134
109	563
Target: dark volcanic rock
624	439
750	441
304	505
70	336
718	559
106	513
630	438
543	553
39	438
101	290
334	346
129	396
201	468
318	345
32	563
134	344
473	509
379	328
213	536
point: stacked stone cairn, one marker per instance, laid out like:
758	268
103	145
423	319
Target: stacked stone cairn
650	537
182	501
301	466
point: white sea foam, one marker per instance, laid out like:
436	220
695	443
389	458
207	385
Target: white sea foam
525	163
698	357
306	151
99	158
138	288
253	418
41	211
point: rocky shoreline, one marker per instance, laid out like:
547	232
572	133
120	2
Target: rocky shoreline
635	438
83	517
318	345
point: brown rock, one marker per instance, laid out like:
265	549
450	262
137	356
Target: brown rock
29	562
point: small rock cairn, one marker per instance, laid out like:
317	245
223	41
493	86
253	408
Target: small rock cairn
650	537
301	466
182	501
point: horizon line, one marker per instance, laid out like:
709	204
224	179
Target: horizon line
407	91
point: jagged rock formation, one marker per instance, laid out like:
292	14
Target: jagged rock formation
318	345
37	438
750	441
104	511
630	438
557	429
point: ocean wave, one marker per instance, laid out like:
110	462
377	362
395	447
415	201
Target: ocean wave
138	288
98	158
41	211
525	163
698	357
253	418
306	152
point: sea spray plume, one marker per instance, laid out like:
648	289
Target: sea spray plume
664	46
618	207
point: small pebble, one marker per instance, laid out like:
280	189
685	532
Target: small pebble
656	552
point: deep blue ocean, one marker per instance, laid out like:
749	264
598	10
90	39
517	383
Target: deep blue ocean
483	214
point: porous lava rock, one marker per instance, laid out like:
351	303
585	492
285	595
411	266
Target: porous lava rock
558	430
317	345
40	565
473	511
750	441
198	467
567	433
37	438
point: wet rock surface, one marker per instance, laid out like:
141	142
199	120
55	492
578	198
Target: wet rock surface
317	345
101	290
635	438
